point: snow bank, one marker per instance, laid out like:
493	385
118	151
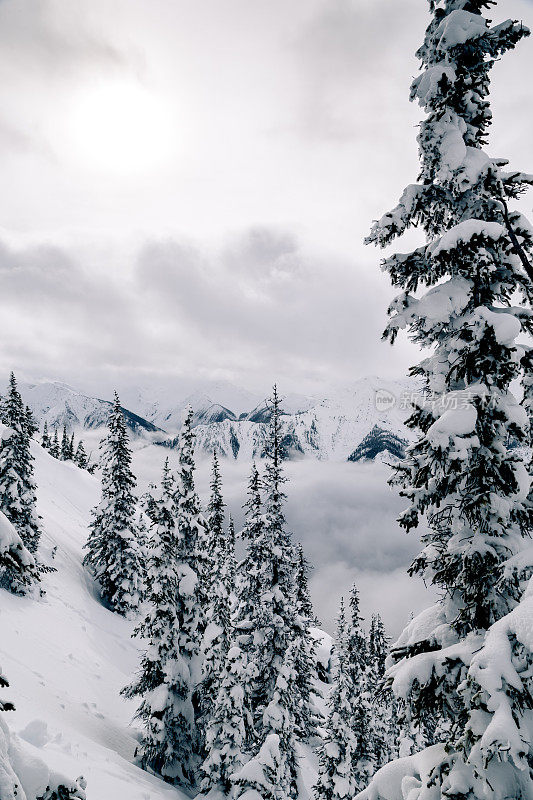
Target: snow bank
24	776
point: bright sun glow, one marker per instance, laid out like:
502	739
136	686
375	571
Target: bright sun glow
123	128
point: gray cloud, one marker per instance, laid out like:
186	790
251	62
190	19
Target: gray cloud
241	256
48	38
267	298
348	86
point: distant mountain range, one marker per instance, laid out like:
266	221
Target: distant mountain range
325	428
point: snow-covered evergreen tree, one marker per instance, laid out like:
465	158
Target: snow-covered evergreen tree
278	624
357	668
190	602
384	726
307	715
269	589
273	771
17	489
304	604
338	777
65	445
114	546
18	568
249	585
54	446
80	456
458	292
31	423
217	632
45	439
226	731
165	681
275	638
232	562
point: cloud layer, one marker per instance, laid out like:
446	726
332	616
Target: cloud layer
260	309
241	254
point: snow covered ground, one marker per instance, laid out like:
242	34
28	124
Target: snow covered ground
67	657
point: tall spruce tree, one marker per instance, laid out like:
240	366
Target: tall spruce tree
383	726
268	590
268	625
338	778
307	715
277	623
54	446
303	596
249	583
192	531
114	546
65	445
232	562
17	490
272	773
249	592
165	681
357	667
217	632
457	300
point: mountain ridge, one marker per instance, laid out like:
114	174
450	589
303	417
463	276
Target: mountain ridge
328	428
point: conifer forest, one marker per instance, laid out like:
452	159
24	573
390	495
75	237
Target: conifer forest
320	586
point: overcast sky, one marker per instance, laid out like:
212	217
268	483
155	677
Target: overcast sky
186	186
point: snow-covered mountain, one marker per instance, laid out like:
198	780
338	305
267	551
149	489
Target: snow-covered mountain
60	404
215	402
327	428
164	405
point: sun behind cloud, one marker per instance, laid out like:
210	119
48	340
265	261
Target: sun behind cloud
122	127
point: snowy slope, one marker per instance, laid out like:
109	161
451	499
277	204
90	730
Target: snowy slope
67	657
